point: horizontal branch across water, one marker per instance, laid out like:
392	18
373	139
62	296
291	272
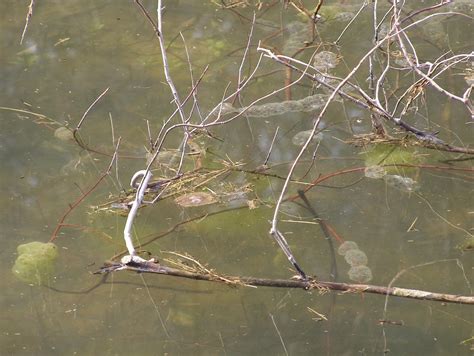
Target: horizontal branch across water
310	284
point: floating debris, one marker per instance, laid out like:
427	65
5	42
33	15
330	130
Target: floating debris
120	206
195	199
64	134
35	263
307	104
360	274
253	204
325	60
405	184
375	172
356	258
467	244
347	246
301	137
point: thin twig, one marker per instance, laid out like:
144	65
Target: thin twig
271	146
86	193
89	109
364	5
27	20
279	335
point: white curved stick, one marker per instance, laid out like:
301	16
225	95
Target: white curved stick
127	235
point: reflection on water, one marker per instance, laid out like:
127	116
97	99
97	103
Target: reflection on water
75	50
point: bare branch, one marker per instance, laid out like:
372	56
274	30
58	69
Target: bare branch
309	284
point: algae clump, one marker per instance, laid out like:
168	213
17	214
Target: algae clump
391	156
35	262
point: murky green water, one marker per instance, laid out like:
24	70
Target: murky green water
73	50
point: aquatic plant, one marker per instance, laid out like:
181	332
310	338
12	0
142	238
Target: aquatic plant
35	263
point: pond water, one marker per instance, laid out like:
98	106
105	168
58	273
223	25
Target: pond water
74	50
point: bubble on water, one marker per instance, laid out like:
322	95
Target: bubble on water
360	274
375	172
347	246
467	244
356	258
301	137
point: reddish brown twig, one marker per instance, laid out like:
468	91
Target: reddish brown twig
79	200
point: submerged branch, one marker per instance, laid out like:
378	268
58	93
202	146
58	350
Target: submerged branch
309	284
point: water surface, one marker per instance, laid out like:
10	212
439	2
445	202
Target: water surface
74	50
